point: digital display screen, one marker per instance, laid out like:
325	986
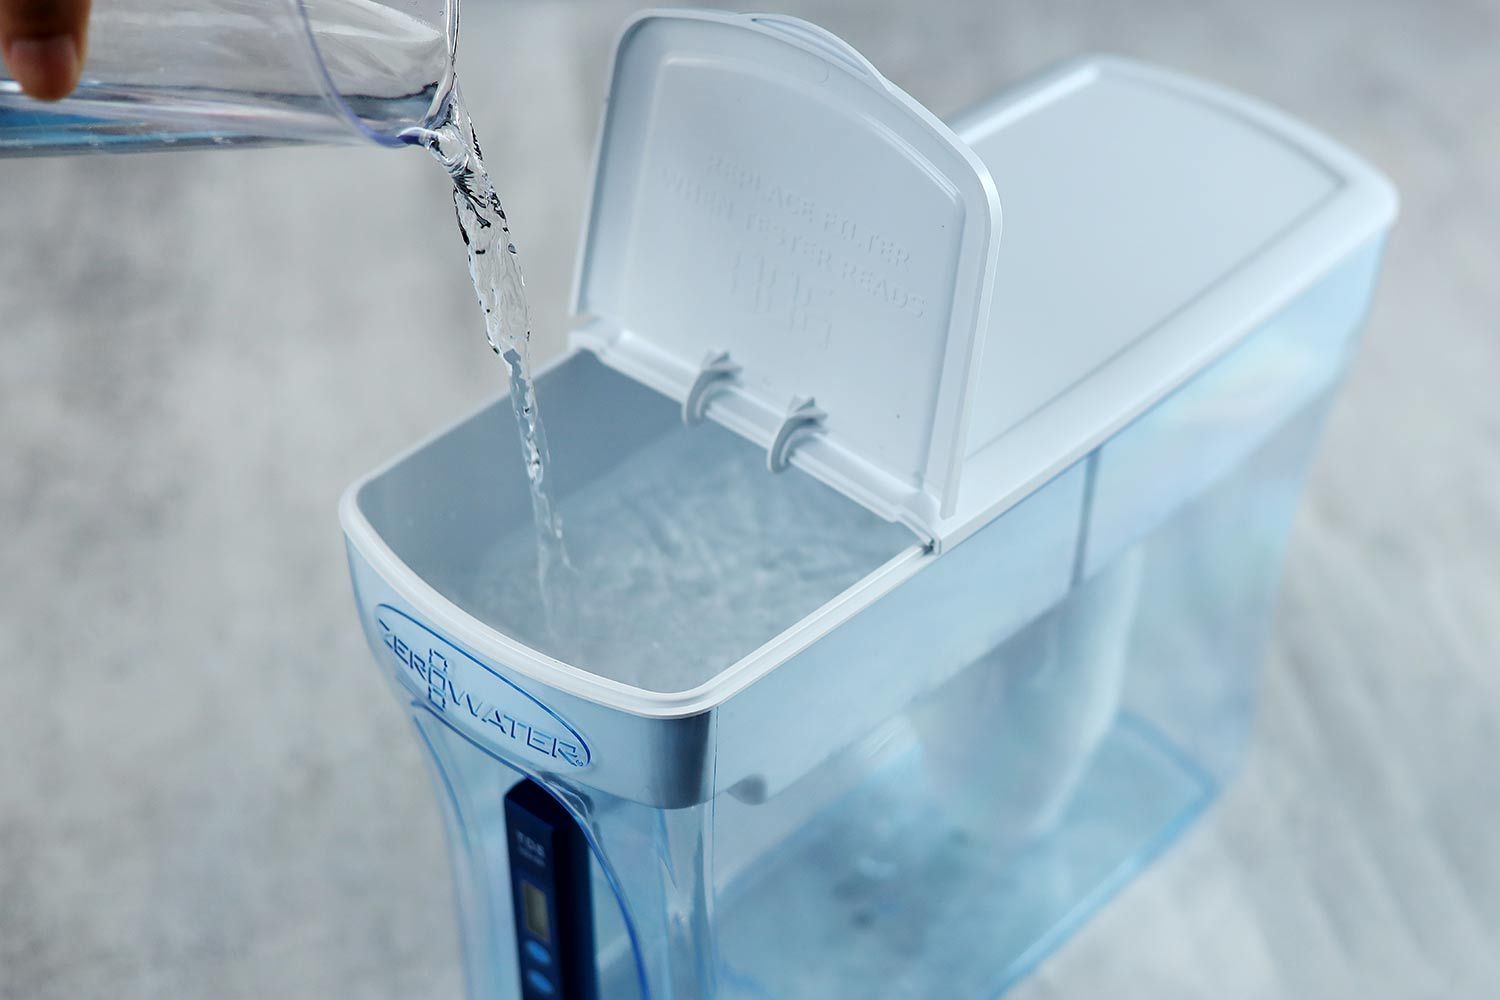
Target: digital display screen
534	905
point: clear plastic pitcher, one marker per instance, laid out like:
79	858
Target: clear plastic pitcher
192	72
802	734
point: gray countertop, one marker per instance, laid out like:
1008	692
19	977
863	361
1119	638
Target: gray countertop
206	791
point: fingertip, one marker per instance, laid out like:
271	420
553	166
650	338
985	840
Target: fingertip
46	68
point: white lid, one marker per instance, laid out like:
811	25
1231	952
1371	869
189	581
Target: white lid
761	192
1153	223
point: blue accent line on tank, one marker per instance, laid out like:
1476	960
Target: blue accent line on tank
574	809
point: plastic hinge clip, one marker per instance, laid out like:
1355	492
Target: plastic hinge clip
802	418
714	375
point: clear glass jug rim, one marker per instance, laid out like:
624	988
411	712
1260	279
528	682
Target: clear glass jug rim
346	113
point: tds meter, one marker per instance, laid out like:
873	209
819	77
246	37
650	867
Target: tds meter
549	875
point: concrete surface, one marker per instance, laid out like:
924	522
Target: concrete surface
205	791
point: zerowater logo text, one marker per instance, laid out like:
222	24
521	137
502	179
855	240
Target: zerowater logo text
471	696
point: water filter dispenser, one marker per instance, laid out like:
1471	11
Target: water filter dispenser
921	573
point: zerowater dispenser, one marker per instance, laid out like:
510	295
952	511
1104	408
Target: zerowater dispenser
918	574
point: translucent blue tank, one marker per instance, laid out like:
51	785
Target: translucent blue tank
921	573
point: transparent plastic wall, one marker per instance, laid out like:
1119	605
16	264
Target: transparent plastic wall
952	849
947	850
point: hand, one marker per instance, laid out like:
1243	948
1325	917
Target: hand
43	42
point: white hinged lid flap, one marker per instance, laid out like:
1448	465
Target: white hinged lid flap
780	236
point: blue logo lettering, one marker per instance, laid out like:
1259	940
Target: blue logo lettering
472	696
